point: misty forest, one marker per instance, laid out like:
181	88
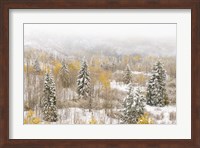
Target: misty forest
89	75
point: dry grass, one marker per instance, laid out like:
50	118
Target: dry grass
140	79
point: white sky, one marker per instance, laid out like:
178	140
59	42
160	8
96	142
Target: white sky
154	31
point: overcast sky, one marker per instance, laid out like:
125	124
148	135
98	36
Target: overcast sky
105	30
137	37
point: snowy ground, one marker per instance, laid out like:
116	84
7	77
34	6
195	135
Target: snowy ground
160	115
83	116
141	72
124	87
119	86
80	116
134	72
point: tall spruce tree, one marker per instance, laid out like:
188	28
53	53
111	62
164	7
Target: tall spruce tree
156	92
133	107
127	75
83	81
49	108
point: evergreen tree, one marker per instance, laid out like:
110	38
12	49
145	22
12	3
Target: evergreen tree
83	81
127	75
49	108
133	107
37	66
156	92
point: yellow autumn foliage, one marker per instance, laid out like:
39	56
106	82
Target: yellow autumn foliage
25	121
104	79
137	58
93	120
94	73
57	67
30	68
145	119
30	113
30	119
25	68
36	120
74	65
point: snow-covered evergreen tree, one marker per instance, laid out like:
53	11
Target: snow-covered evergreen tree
133	107
127	75
64	75
83	81
37	66
49	108
156	92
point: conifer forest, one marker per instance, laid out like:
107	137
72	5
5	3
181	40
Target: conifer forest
99	74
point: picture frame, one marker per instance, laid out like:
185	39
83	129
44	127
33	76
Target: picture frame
194	5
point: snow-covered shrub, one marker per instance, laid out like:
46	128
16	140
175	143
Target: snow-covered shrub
133	107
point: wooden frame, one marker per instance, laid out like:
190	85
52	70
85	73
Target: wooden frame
5	5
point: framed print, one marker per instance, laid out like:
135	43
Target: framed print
100	73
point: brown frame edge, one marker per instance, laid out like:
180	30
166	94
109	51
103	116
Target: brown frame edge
5	5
